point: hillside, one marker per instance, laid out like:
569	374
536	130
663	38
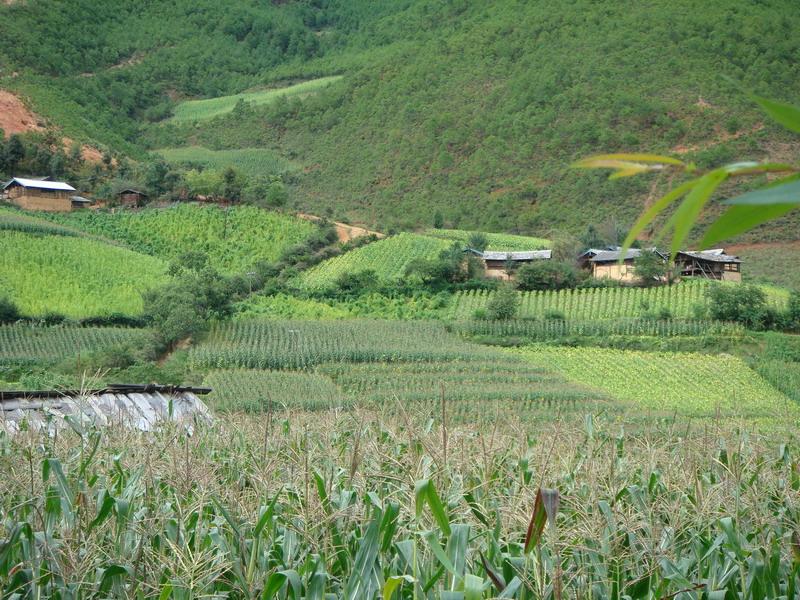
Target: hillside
468	109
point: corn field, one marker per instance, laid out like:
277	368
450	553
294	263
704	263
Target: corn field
496	241
23	344
351	506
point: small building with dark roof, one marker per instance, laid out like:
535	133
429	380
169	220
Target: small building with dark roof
710	264
496	263
131	197
610	263
39	194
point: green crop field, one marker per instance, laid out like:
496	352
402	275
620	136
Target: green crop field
387	257
198	110
268	344
687	383
234	239
682	300
24	344
74	277
251	161
497	241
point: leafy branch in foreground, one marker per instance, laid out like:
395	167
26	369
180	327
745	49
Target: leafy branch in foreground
744	212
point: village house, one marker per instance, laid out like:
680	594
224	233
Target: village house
499	264
611	264
132	197
39	194
711	264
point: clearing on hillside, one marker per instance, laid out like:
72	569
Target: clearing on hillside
15	117
388	257
233	238
197	110
75	277
254	162
668	382
497	241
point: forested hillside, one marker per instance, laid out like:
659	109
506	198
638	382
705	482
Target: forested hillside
469	109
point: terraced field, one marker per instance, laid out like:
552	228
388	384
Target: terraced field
668	382
234	238
199	110
73	276
388	257
254	162
497	241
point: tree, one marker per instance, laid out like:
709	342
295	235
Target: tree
478	241
14	154
504	304
232	184
438	220
746	304
277	194
651	268
547	275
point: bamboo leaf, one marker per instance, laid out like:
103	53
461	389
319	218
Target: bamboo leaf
786	193
685	217
651	213
787	115
590	161
738	219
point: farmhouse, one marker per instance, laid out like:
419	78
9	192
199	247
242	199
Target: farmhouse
39	194
496	263
132	197
611	264
80	202
711	264
135	406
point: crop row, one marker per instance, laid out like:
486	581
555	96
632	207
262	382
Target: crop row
29	344
75	277
233	238
556	329
302	344
254	162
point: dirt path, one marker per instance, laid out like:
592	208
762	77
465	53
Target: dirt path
343	230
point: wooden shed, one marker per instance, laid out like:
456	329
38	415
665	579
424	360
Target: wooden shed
131	197
496	263
136	406
610	263
710	264
39	194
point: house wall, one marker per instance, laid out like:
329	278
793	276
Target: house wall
731	276
30	199
131	199
615	271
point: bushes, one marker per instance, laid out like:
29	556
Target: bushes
8	311
746	304
547	275
503	305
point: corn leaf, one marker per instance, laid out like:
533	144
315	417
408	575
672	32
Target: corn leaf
425	493
544	510
393	583
473	587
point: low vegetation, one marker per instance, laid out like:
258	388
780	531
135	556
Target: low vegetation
233	239
494	241
75	277
253	162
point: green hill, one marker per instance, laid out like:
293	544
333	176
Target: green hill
473	110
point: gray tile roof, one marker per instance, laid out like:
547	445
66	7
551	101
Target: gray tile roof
512	255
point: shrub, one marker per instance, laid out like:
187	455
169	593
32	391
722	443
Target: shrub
745	304
503	305
651	268
554	315
547	275
8	311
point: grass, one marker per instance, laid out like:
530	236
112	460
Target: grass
668	382
234	239
773	264
497	241
74	277
354	505
388	257
254	162
199	110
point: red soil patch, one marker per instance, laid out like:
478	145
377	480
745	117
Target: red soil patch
344	232
15	117
88	153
